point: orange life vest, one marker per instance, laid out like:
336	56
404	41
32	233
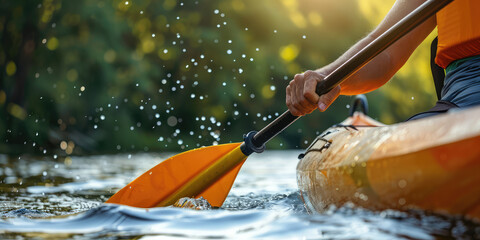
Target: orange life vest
458	31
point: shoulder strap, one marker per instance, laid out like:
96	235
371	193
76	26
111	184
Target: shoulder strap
438	73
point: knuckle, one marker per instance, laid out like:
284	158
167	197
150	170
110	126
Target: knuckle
311	97
314	76
297	105
307	73
300	99
307	94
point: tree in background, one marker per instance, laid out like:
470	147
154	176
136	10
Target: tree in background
93	76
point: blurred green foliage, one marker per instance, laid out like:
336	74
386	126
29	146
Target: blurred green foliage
97	76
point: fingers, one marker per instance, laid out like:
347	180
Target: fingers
292	103
310	86
302	103
301	97
327	99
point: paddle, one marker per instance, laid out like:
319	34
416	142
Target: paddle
210	172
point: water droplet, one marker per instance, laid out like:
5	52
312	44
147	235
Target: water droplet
172	121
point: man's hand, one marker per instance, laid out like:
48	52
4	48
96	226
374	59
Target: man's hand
301	97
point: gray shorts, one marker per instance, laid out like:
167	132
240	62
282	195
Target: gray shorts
461	87
462	82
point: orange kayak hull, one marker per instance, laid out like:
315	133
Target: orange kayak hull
431	164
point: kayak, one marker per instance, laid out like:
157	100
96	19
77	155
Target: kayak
432	164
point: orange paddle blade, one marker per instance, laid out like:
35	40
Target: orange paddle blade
207	172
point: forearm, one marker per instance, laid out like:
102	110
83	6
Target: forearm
368	78
301	97
381	69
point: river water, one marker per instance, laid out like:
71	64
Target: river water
45	198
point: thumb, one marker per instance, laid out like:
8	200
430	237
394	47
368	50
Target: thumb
327	99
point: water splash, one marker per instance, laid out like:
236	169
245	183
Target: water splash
263	204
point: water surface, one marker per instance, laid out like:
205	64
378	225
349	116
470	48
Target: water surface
39	195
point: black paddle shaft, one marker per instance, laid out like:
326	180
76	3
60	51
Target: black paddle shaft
408	23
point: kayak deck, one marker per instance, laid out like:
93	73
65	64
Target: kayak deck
431	164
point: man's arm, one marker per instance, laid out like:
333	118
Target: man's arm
301	98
